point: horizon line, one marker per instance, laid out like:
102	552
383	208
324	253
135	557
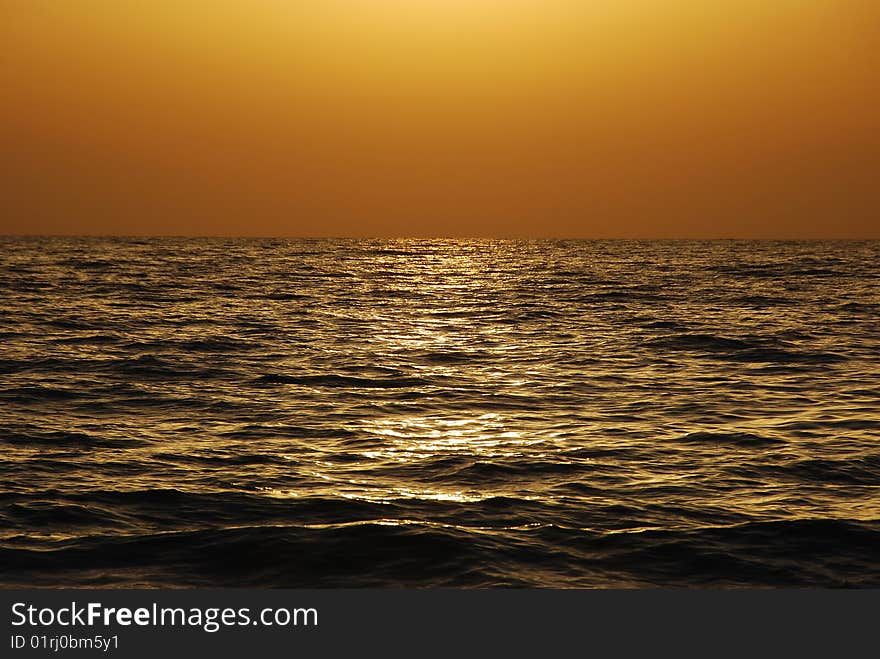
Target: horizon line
443	237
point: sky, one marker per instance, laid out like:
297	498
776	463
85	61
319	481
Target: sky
426	118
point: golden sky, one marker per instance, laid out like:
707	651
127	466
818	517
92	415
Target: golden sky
504	118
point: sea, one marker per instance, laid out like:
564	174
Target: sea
179	412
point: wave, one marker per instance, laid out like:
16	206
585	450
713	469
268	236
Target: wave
455	356
857	471
401	553
739	439
741	350
38	393
63	439
343	381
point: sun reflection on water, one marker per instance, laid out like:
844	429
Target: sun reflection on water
411	439
414	440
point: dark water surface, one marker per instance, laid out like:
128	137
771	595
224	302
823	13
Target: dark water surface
439	413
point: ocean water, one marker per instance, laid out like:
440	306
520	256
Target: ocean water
181	412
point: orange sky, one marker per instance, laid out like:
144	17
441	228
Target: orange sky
507	118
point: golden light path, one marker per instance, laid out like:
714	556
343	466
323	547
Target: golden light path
410	440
